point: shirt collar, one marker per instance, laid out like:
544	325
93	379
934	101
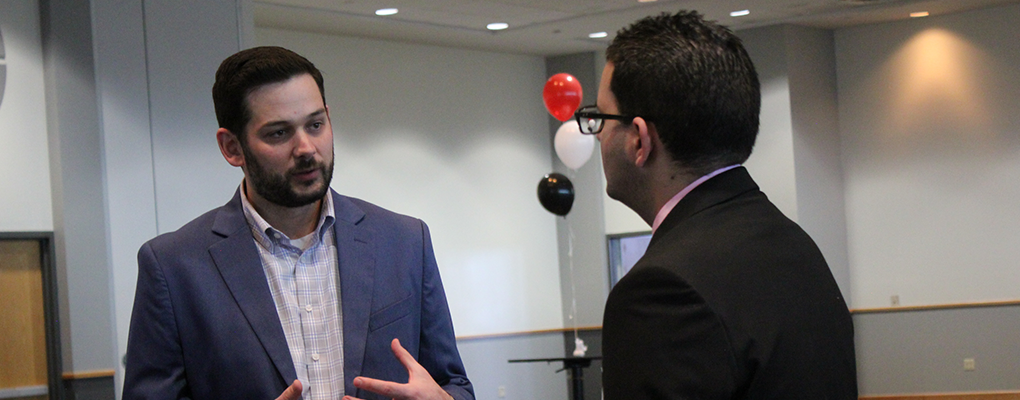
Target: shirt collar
668	207
267	236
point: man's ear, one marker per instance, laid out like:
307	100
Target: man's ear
230	147
640	145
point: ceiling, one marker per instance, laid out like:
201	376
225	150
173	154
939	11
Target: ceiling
552	27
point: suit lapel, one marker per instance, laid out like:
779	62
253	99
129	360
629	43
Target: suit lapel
239	264
357	275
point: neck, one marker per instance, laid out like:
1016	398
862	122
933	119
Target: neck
664	186
295	222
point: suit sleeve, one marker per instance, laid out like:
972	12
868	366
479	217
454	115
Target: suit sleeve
662	341
154	363
438	350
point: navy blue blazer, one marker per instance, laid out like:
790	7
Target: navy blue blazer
204	324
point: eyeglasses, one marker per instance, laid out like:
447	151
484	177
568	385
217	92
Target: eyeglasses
591	121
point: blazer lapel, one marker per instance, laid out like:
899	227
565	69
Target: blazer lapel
357	275
239	264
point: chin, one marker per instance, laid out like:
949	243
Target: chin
317	190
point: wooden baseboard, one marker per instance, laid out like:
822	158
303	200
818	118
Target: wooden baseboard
1009	395
527	333
88	374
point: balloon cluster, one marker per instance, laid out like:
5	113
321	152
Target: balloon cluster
562	96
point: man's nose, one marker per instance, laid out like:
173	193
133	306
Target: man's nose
304	145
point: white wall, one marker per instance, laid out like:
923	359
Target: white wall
931	147
459	139
24	155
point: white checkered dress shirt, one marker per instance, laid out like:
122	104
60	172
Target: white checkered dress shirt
307	296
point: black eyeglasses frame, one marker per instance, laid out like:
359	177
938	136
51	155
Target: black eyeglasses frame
584	113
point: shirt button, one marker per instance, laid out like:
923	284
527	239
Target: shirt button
308	308
315	357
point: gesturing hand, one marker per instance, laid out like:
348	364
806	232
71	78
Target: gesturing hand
419	386
293	392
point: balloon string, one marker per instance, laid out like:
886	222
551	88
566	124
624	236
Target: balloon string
573	295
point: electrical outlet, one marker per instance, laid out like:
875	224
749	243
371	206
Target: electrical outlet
501	391
968	364
895	300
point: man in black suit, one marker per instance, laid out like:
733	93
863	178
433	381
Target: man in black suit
732	300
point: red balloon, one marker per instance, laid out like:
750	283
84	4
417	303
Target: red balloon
562	96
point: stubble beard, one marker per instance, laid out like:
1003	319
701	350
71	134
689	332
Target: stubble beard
278	189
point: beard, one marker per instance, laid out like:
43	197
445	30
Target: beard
278	188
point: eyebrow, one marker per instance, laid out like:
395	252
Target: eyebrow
273	124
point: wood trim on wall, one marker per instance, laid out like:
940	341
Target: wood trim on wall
103	373
950	306
1007	395
527	333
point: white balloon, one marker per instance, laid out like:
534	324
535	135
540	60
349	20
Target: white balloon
573	147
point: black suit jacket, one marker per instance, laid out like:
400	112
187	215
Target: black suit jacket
732	300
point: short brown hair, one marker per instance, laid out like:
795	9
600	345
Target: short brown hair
245	71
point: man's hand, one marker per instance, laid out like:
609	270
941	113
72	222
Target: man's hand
420	385
293	392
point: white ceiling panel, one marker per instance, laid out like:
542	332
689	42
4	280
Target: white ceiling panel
550	27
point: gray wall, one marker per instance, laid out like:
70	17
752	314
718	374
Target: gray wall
930	146
816	146
796	159
79	202
931	157
923	351
486	362
122	82
157	127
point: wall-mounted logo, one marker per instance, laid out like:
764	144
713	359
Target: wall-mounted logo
3	67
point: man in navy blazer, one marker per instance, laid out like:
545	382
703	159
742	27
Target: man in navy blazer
220	307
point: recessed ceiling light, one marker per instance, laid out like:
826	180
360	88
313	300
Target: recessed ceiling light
598	35
386	11
919	14
740	13
497	26
646	1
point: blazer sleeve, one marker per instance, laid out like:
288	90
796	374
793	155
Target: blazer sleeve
154	366
438	349
662	341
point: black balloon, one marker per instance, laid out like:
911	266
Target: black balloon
556	193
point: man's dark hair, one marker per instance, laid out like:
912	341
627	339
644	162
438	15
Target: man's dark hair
694	81
245	71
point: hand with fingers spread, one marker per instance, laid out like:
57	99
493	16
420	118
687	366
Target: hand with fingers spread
419	386
293	392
